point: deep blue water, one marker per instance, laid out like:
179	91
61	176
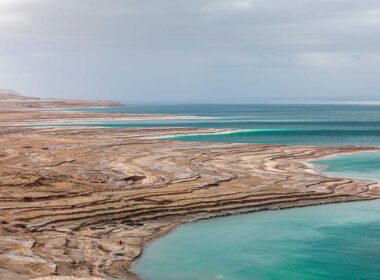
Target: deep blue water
279	124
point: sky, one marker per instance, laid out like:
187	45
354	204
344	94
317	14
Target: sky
192	51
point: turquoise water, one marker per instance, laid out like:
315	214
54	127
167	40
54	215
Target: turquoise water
358	165
278	124
338	241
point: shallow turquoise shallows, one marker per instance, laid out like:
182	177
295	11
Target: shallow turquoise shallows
275	124
337	241
358	165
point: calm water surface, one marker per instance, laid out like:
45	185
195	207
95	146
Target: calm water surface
338	241
358	165
278	124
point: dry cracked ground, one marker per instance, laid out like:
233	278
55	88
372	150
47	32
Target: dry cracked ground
70	195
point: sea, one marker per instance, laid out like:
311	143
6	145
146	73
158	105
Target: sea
261	123
337	241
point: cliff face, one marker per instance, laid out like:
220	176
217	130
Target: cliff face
11	99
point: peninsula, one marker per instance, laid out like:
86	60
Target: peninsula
83	201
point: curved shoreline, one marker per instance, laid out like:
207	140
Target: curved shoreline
135	276
206	131
313	168
85	189
185	253
117	185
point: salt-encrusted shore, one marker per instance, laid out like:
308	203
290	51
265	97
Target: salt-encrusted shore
84	201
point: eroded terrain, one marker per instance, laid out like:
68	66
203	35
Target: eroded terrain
83	201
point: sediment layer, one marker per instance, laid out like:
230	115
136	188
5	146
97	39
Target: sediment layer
84	201
17	117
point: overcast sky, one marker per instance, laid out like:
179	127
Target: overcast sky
192	50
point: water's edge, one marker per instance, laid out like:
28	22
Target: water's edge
313	168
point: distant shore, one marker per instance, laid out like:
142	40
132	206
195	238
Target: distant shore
12	99
46	117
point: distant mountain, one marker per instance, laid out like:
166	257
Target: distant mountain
10	99
8	94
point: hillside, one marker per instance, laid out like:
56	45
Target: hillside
10	99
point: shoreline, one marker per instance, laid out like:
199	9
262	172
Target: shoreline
84	189
84	122
203	131
52	118
279	208
313	168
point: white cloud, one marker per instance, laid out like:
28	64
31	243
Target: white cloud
231	5
327	60
11	13
366	17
